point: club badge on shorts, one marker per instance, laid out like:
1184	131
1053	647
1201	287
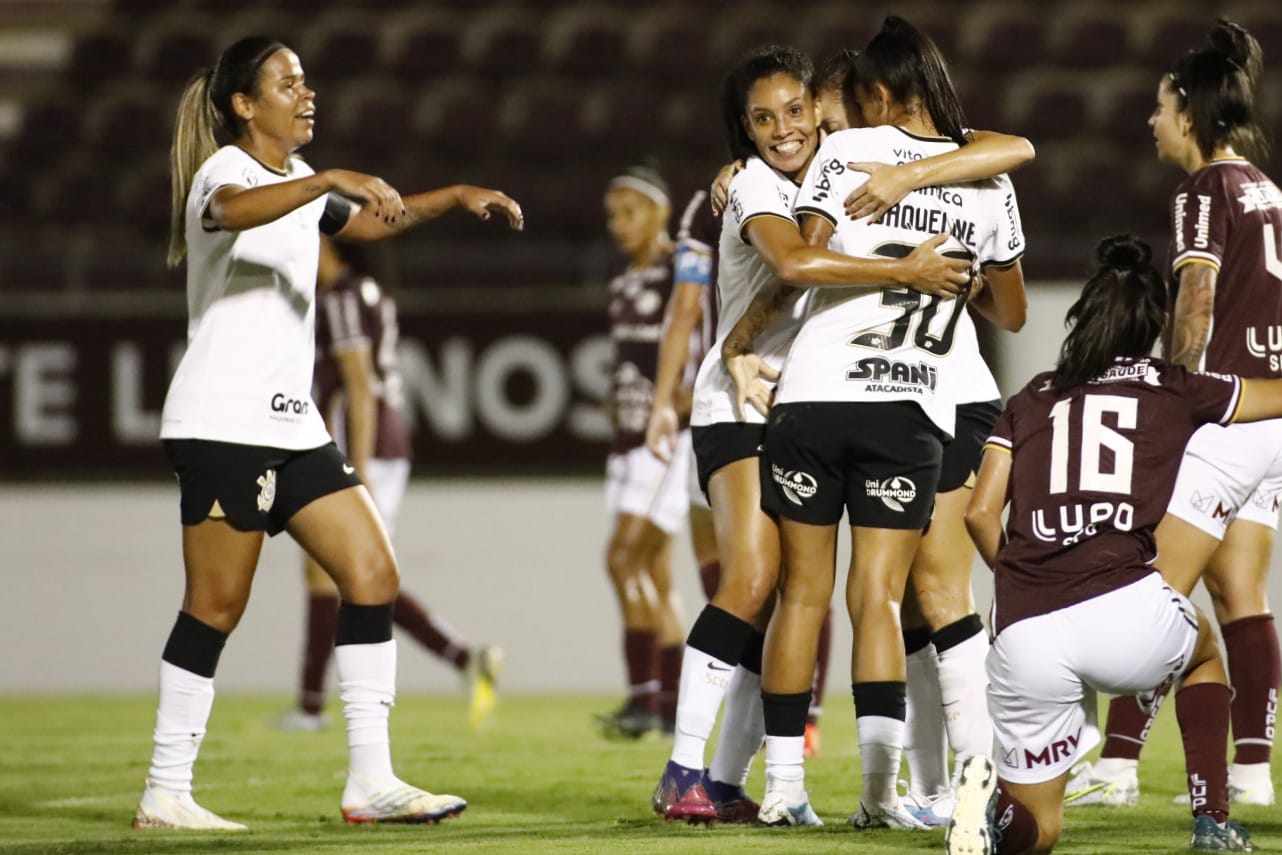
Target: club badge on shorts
267	495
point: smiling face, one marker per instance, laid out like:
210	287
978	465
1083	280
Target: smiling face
282	112
1173	129
781	120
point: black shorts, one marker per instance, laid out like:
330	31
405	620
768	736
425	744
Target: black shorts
257	488
962	455
880	461
722	444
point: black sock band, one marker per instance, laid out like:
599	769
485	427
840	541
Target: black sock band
915	639
886	698
363	624
719	634
785	715
194	646
753	648
957	632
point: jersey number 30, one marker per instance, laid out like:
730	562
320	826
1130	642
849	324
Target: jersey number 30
1094	437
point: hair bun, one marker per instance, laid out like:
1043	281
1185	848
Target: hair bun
1123	252
1236	45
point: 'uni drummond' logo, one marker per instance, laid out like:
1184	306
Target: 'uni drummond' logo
796	486
894	492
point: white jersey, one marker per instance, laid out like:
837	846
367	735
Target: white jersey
757	191
247	374
891	344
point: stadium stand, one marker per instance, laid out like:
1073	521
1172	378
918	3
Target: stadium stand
547	97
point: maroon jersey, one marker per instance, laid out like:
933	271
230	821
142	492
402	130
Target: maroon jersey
355	312
638	297
1092	469
1228	214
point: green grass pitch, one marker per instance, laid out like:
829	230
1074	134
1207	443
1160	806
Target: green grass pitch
540	780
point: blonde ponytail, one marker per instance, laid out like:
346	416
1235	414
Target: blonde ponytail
194	142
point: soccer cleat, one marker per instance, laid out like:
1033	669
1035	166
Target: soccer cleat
301	721
1212	836
483	668
680	795
169	809
971	831
732	803
398	802
786	804
629	722
894	815
931	811
1087	787
811	745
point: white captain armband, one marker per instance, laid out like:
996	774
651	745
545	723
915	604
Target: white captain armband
338	210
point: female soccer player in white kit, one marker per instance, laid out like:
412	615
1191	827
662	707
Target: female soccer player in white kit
249	448
865	402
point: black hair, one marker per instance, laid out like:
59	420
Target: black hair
837	72
756	65
1121	312
1216	85
906	61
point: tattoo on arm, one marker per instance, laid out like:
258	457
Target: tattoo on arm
1191	322
767	306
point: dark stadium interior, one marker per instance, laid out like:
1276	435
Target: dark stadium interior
546	99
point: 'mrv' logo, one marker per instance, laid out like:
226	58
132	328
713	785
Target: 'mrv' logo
1060	749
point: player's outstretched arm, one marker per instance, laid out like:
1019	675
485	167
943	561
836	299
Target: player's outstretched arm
235	208
367	225
988	155
984	511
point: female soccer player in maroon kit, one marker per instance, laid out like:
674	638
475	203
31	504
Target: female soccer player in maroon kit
1226	277
1085	456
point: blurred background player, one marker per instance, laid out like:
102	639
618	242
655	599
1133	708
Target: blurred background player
1085	456
358	388
251	453
1226	282
646	497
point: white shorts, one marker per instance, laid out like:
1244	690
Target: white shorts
641	484
1230	472
697	499
1043	672
386	480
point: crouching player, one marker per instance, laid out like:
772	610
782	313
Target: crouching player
1086	456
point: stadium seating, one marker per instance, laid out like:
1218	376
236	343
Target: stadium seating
548	97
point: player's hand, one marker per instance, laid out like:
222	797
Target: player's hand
661	432
370	190
719	193
748	370
931	273
482	202
887	184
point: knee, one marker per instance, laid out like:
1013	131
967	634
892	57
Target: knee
621	562
220	609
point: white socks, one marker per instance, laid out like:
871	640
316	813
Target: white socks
963	689
704	681
367	686
925	747
743	728
181	716
785	762
880	741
